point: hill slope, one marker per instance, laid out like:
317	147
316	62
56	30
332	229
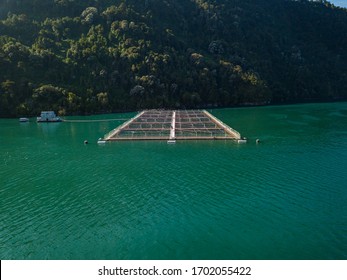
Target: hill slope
77	56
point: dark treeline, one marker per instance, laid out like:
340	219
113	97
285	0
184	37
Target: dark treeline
89	56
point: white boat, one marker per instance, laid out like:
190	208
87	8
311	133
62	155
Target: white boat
48	116
171	141
23	119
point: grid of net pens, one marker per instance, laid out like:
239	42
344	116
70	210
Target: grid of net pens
157	124
153	124
196	124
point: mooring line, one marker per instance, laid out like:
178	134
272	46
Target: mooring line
85	121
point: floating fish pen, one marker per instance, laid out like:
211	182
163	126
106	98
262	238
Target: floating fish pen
173	125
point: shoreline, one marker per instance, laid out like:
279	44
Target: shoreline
316	101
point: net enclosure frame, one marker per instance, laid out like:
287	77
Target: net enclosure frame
173	125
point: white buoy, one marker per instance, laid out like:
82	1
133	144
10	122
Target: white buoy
85	141
101	141
242	140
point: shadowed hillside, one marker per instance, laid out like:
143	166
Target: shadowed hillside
90	56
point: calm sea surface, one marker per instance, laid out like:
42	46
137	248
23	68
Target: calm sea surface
285	198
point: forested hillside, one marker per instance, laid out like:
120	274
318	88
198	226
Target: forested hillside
91	56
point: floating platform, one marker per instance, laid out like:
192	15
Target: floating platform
172	125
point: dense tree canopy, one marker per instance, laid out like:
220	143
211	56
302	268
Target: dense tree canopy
88	56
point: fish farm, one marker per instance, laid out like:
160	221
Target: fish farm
172	125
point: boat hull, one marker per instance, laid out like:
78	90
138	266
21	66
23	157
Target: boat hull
58	120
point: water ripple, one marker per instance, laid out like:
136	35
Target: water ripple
282	199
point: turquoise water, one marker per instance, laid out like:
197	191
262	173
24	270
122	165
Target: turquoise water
284	198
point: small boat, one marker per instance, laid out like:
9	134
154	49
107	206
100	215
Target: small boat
48	116
23	119
171	141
